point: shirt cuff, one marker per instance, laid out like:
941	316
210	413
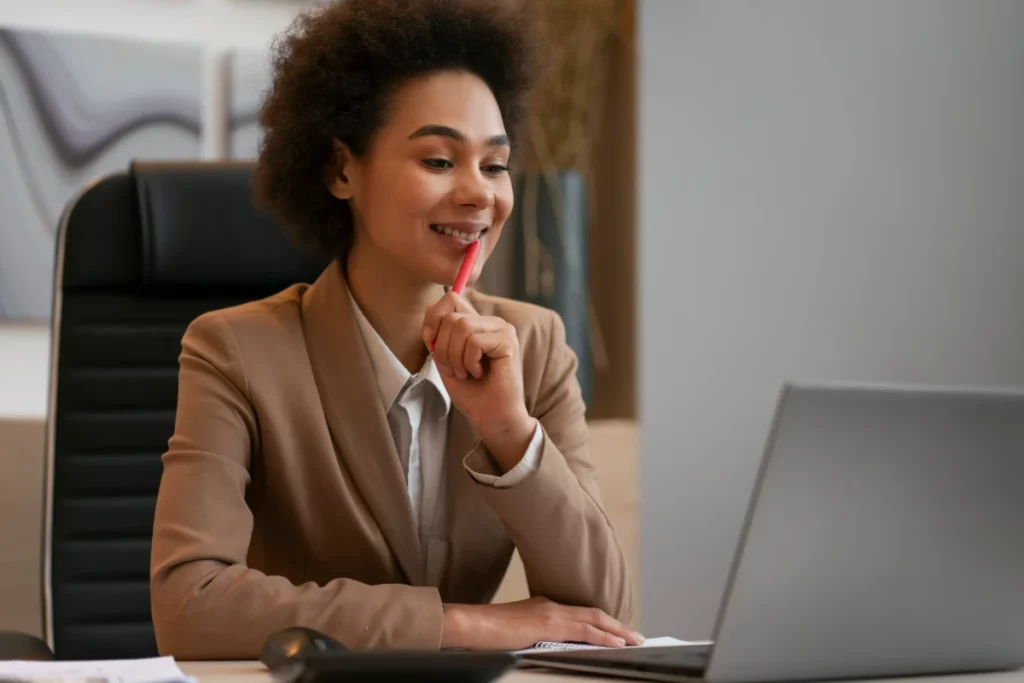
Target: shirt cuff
526	466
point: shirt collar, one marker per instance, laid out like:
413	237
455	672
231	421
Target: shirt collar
392	376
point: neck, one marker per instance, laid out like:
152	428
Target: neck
394	303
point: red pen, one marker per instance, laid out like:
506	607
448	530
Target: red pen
465	270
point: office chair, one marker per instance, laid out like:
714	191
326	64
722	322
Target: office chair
140	254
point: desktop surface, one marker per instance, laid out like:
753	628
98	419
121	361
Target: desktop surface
254	672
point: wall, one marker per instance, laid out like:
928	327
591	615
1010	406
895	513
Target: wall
827	189
215	24
24	372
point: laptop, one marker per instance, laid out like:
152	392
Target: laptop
884	537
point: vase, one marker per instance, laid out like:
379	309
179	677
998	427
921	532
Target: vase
550	224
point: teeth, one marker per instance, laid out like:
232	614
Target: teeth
466	236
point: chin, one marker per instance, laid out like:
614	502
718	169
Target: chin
437	269
435	273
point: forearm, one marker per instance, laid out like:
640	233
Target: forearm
208	610
569	549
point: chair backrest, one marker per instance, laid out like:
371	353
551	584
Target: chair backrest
140	254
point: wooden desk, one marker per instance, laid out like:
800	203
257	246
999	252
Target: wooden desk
254	672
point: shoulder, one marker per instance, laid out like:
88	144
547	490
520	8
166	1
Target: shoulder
268	320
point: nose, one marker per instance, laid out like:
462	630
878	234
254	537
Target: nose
472	189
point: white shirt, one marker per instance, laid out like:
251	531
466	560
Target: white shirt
417	408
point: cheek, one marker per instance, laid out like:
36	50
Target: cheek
403	200
420	192
503	201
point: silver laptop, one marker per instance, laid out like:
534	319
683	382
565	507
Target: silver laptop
884	537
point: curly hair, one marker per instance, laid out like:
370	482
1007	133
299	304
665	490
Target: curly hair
333	73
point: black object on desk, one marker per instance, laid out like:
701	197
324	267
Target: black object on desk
287	646
301	655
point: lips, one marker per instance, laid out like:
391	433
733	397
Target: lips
462	232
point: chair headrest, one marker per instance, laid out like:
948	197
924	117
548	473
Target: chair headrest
180	225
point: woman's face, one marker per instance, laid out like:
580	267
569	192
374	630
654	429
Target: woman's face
434	178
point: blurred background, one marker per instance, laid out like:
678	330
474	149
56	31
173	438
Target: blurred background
716	197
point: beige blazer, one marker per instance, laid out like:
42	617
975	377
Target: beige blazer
283	501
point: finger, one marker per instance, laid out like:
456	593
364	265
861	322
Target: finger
588	633
476	331
495	343
600	619
433	316
473	356
463	342
441	344
462	304
436	312
461	327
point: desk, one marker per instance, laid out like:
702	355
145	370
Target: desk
253	672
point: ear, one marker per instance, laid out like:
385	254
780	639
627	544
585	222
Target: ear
338	171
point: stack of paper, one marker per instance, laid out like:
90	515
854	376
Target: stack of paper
151	670
556	647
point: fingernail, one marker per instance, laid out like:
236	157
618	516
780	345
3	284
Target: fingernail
445	370
637	637
461	374
620	642
428	333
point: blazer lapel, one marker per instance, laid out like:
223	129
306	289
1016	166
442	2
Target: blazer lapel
356	419
475	533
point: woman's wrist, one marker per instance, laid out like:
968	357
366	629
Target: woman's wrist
507	442
457	627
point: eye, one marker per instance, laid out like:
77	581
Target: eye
495	169
438	164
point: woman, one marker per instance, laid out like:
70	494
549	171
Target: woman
326	470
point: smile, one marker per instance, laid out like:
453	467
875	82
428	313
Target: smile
443	229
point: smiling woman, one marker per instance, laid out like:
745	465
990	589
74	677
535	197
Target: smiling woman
326	470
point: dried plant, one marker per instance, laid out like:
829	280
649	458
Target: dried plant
576	40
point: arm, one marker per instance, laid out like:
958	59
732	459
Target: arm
206	603
555	516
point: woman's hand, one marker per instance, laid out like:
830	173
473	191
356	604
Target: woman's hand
518	625
478	358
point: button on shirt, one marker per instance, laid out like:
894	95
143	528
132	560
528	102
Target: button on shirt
417	408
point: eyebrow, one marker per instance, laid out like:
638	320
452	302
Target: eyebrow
500	140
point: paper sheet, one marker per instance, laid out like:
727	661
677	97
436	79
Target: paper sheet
149	670
664	641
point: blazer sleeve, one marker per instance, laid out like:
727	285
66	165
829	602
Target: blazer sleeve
555	517
206	603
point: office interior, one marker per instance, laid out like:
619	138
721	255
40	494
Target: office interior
810	189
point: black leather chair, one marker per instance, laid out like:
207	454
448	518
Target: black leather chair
140	254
